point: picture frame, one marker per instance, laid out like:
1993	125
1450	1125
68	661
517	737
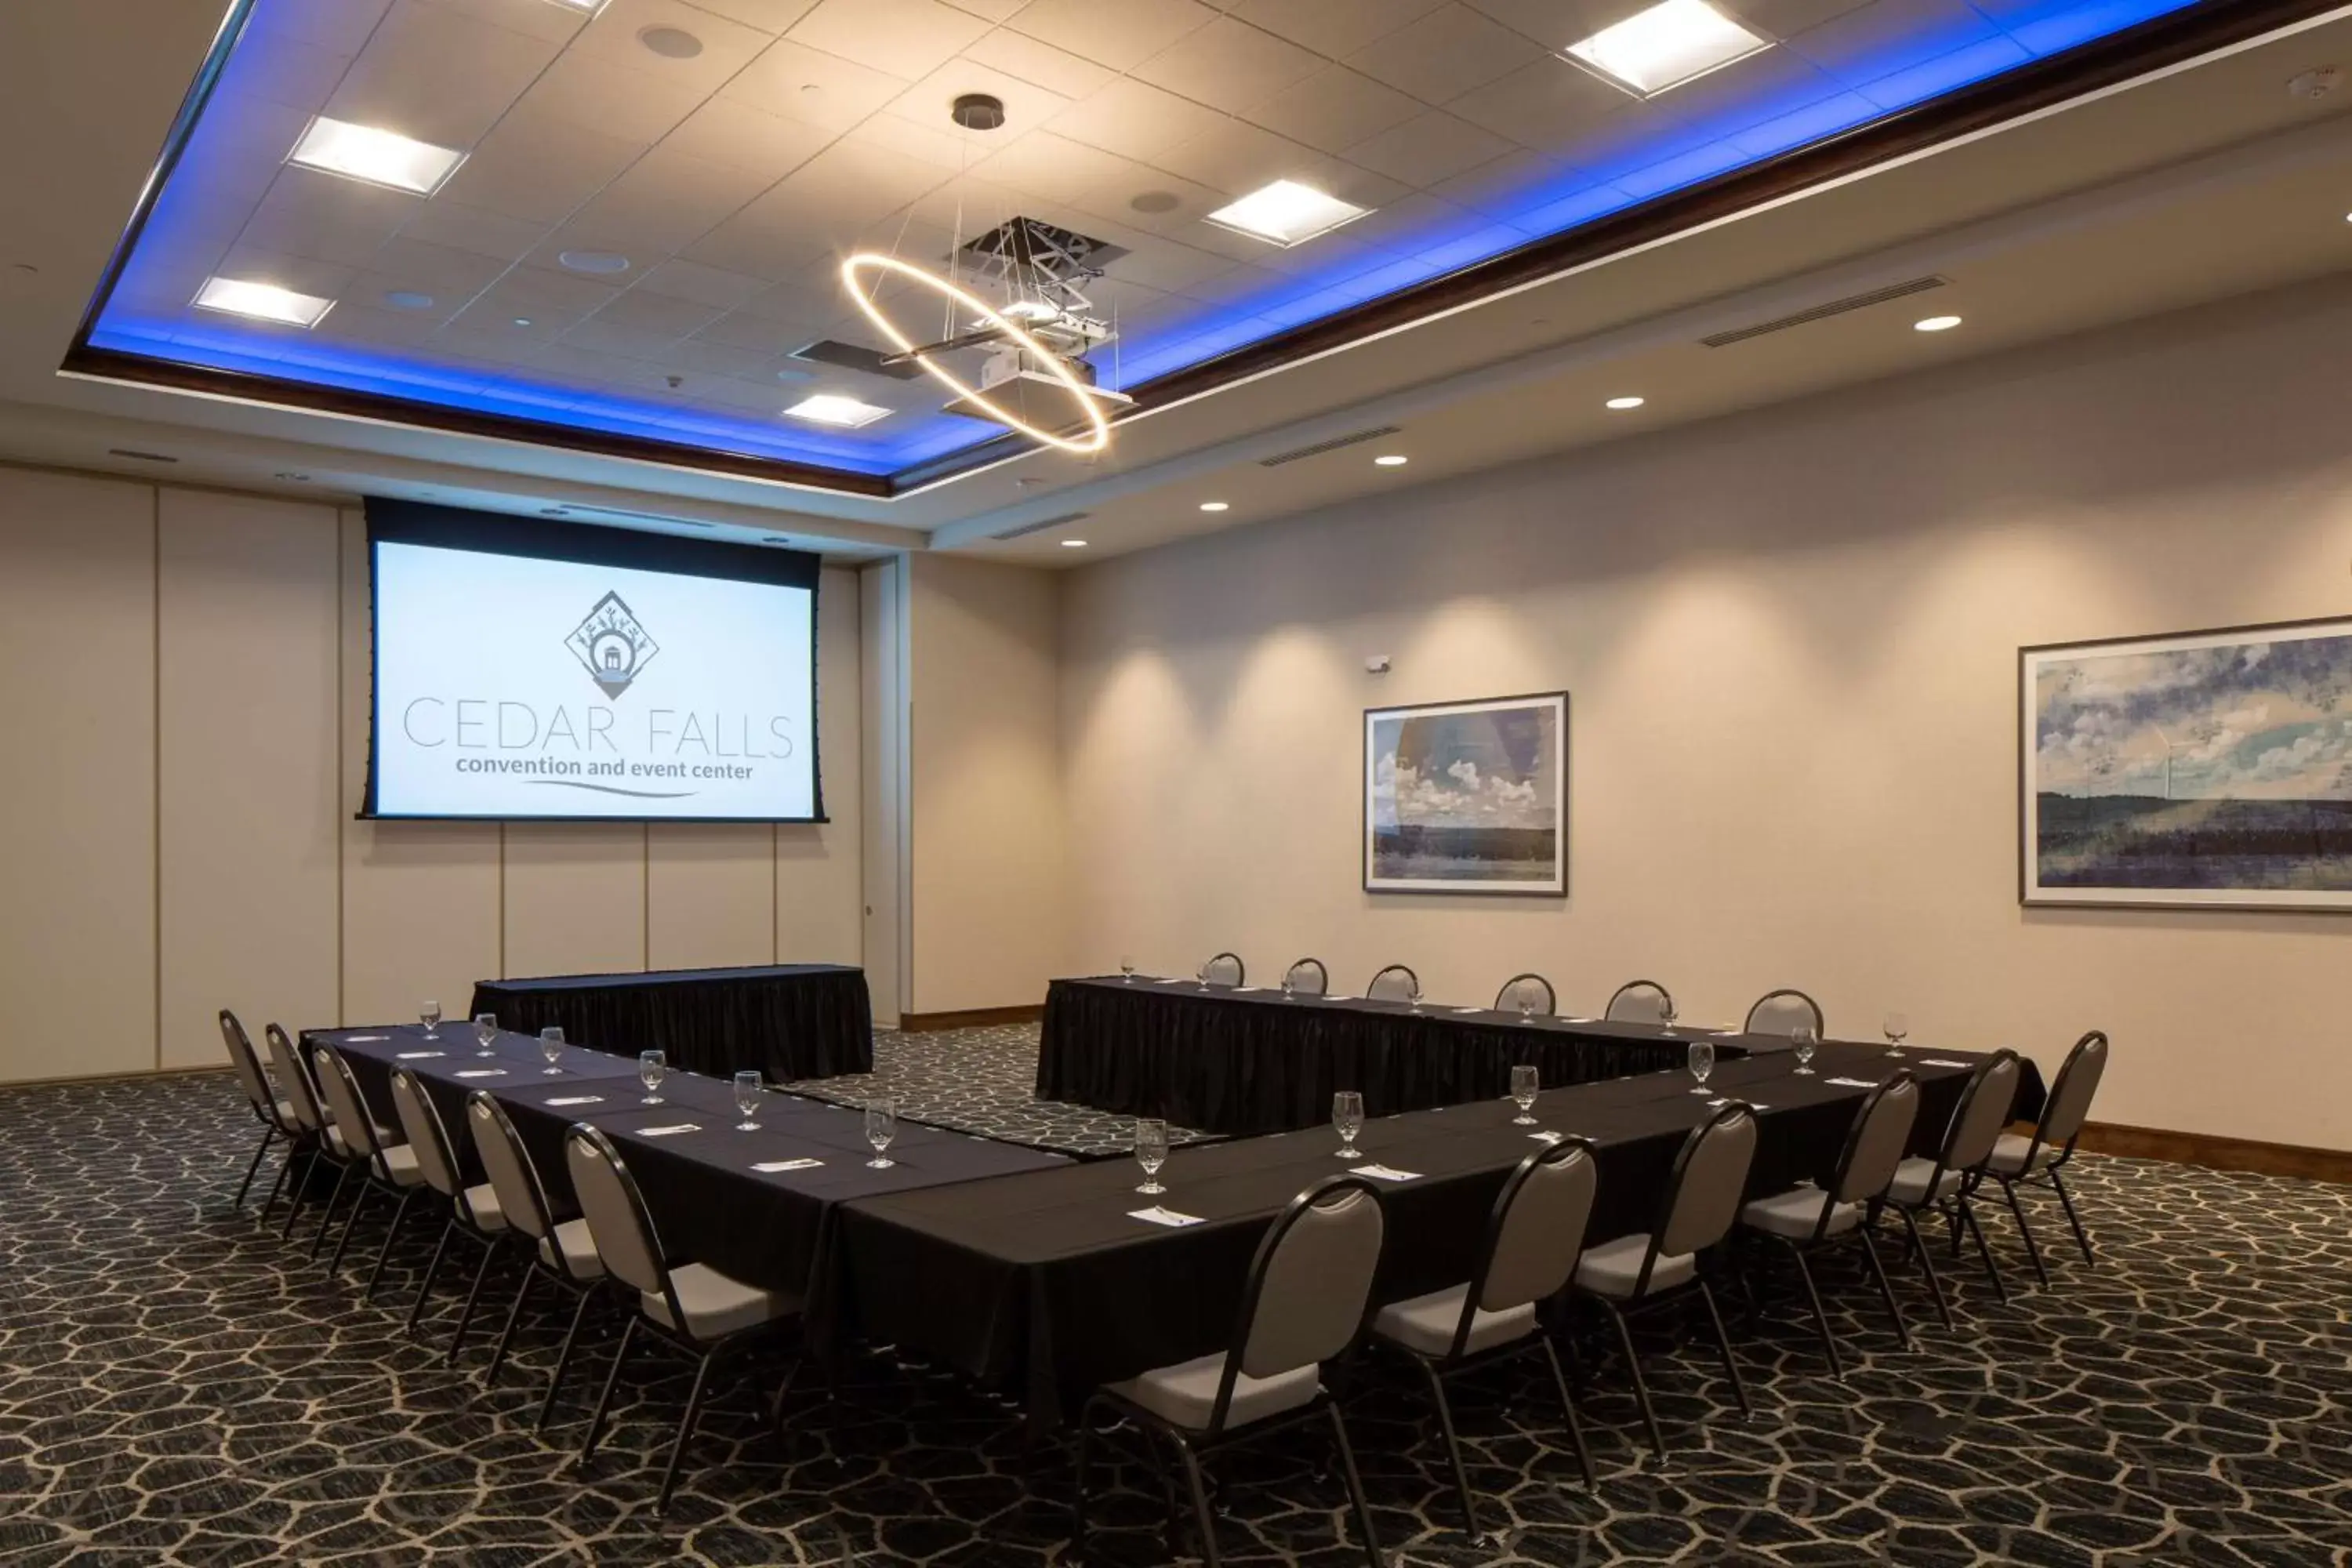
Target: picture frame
1468	797
2205	770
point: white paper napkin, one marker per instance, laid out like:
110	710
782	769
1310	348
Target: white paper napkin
1579	1020
363	1039
1753	1104
666	1131
1850	1082
417	1055
1387	1173
485	1072
1158	1216
1469	1009
769	1167
578	1099
1942	1062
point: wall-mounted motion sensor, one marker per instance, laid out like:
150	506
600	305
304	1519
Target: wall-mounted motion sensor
1376	664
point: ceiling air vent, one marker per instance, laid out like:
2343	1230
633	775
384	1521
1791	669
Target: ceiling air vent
138	456
856	356
1822	312
575	508
1027	529
1333	445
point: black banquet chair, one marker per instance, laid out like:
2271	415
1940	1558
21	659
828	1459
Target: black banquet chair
271	1108
1664	1264
563	1254
388	1165
301	1092
1394	984
1534	1238
474	1211
1302	1305
1224	969
1946	1183
1307	977
2017	1161
1640	1001
1530	994
1784	1012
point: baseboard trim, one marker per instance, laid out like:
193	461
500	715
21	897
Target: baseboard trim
968	1018
2218	1153
128	1075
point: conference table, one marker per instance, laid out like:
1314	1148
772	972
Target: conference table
702	1177
1239	1059
1046	1284
785	1021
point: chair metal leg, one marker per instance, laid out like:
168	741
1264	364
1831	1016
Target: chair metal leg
2033	1251
350	1225
1927	1266
1821	1319
1723	1343
1355	1491
685	1430
612	1380
563	1359
1453	1446
431	1272
278	1186
2073	1220
505	1335
1641	1386
1085	1478
1885	1290
334	1200
300	1194
1202	1518
389	1232
268	1136
1984	1252
466	1313
1575	1422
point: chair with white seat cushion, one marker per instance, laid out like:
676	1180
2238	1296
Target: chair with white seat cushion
1533	1239
301	1092
1302	1305
1224	969
1807	1218
1639	1002
270	1108
2017	1161
1664	1264
699	1312
1395	983
1784	1012
1307	977
562	1254
388	1166
1531	990
474	1211
1946	1184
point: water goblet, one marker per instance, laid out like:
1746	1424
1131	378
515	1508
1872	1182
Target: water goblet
1127	971
485	1029
551	1046
1806	1043
1347	1120
881	1126
747	1100
1204	977
430	1017
1150	1151
1527	1006
1413	994
1289	986
1525	1081
651	1066
1666	1015
1895	1028
1702	1062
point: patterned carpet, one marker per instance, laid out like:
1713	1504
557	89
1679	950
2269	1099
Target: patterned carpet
177	1386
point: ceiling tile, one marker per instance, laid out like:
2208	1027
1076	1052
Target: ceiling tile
659	206
594	93
353	322
1787	18
718	359
539	167
692	282
327	218
992	10
1446	54
305	274
728	131
341	25
770	16
1556	23
1544	106
373	288
1862	35
1236	157
1041	164
551	24
278	68
1116	201
459	226
1500	187
1434	147
808	85
1336	108
1134	119
1024	58
908	38
759	242
434	268
743	330
616	35
440	77
1121	34
1333	28
844	190
1229	65
599	335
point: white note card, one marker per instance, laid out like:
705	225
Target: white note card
1850	1082
1158	1216
484	1073
666	1131
1387	1173
1940	1062
418	1056
1469	1009
769	1167
363	1039
579	1100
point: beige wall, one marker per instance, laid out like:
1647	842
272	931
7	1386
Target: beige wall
187	698
1791	642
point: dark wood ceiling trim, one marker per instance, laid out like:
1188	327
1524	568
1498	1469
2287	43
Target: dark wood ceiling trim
2106	62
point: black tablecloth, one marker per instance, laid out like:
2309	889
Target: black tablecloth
766	1228
1228	1059
1043	1284
788	1021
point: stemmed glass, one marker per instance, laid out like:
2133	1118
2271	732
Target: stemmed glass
1204	977
1289	984
1150	1151
1347	1120
1666	1015
430	1017
651	1066
551	1046
1702	1062
747	1100
1527	1000
1412	994
485	1029
1127	970
881	1126
1896	1026
1525	1082
1806	1042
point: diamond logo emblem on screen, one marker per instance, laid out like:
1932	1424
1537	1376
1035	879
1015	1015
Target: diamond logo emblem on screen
611	645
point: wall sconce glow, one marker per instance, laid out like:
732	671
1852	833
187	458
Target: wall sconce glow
1936	324
1392	460
1623	403
1215	506
1286	213
262	302
378	157
1666	45
841	413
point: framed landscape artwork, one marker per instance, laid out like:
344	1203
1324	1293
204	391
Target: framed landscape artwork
1467	797
2208	770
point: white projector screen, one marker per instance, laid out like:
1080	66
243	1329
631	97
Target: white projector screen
531	670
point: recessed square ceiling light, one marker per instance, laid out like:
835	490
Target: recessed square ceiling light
842	413
1666	45
262	301
1286	213
379	157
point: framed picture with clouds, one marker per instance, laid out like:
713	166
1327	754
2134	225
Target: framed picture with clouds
1467	797
2203	770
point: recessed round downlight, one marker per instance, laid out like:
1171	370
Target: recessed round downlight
601	262
1623	403
1392	460
1216	506
1936	324
671	43
408	300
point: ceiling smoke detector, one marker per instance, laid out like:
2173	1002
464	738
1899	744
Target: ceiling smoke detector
978	112
2316	82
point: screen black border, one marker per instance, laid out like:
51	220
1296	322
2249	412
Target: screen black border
397	521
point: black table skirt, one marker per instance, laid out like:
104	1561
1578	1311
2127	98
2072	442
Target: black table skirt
786	1022
1045	1286
1238	1061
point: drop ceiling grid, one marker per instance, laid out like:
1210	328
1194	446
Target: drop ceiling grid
733	187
